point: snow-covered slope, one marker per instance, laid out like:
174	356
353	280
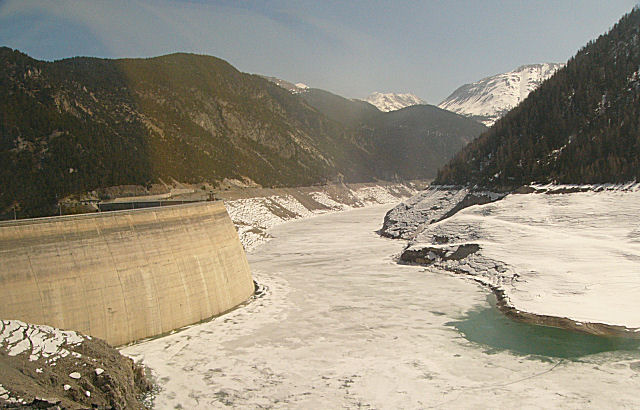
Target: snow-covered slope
256	214
393	101
562	252
296	88
492	97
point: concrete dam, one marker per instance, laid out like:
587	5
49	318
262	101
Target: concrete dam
125	275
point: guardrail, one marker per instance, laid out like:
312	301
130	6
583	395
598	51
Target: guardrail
120	206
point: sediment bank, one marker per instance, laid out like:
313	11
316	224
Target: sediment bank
550	259
598	329
255	210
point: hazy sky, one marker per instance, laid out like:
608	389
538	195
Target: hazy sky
351	48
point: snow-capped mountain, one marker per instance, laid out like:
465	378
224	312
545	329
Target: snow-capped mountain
492	97
293	88
392	101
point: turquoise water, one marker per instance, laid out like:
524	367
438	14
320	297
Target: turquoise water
489	327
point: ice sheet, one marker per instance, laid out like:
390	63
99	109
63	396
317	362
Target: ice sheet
574	255
343	325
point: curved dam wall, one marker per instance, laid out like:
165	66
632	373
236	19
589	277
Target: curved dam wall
126	275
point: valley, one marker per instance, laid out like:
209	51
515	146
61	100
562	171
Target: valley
194	119
200	209
338	323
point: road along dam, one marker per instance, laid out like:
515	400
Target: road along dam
125	275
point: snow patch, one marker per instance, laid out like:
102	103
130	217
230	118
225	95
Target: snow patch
324	199
39	341
6	396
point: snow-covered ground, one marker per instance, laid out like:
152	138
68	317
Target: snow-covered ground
342	325
45	367
43	344
253	217
573	255
39	341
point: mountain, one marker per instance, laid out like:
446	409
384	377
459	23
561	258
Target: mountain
492	97
350	113
392	101
81	124
582	125
417	140
291	87
412	141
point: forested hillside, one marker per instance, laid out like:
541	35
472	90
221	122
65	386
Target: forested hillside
407	143
580	126
79	124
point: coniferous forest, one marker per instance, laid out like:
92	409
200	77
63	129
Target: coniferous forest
580	126
82	124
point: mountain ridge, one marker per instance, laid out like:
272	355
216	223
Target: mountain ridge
81	124
491	97
581	126
289	86
393	101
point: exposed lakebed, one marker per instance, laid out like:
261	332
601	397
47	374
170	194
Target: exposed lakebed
568	257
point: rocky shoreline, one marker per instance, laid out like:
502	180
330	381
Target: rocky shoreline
449	251
421	258
597	329
255	210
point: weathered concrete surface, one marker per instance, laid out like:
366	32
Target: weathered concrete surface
126	275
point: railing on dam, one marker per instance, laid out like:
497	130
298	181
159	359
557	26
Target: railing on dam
123	276
119	206
94	205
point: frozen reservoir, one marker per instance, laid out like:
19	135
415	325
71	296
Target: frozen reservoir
341	324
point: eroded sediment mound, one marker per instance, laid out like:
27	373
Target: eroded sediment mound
45	367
